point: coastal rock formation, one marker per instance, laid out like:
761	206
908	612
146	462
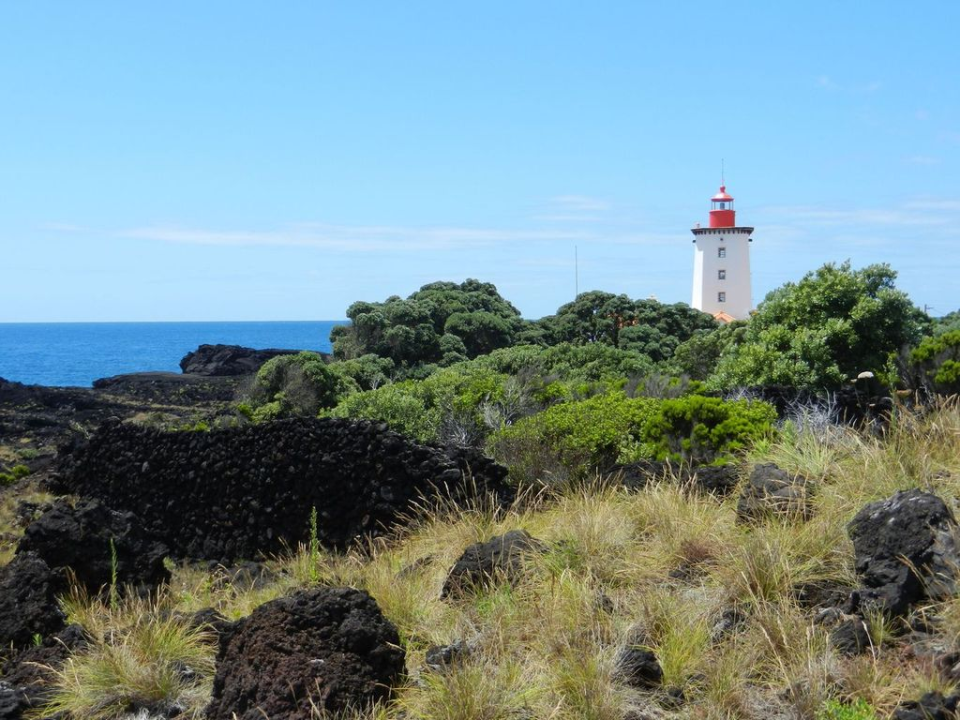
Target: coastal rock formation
501	557
772	491
221	360
328	648
241	492
28	601
905	549
98	545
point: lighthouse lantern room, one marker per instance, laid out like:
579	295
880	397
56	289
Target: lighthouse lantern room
721	263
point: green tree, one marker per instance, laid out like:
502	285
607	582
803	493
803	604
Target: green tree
646	326
410	332
831	325
298	384
935	363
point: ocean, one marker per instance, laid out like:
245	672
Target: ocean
76	354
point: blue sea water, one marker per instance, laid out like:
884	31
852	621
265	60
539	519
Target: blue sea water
76	354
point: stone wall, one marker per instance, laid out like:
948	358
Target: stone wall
238	493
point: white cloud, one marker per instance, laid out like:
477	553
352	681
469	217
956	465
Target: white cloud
574	208
347	238
922	160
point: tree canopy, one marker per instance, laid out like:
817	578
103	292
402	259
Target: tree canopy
831	325
442	323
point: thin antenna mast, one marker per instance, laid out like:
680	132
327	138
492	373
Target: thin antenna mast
722	178
576	273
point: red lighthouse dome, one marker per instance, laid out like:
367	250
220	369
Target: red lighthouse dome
722	213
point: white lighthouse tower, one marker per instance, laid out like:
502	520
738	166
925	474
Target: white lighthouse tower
721	263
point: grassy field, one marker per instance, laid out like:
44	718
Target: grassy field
658	568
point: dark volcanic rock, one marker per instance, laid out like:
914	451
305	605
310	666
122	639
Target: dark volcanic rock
84	538
25	683
440	657
482	563
639	667
772	491
905	549
328	647
237	493
716	479
850	637
820	594
218	360
28	600
932	706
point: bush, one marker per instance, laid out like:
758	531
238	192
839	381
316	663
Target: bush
830	326
699	429
580	437
298	384
451	400
836	710
936	363
15	473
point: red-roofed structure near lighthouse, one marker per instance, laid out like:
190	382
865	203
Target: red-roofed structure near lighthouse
721	263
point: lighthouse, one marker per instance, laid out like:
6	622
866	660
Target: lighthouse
721	263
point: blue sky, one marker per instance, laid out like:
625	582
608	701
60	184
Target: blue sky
257	161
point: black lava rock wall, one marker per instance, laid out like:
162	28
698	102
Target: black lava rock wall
242	492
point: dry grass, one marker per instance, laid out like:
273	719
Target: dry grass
546	646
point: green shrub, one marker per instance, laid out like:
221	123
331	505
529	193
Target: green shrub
300	384
573	439
699	429
836	710
398	405
15	473
936	362
422	409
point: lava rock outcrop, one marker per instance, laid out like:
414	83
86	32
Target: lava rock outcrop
99	545
241	492
221	360
28	600
905	550
327	648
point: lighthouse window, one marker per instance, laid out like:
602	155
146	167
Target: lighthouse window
721	297
721	252
721	274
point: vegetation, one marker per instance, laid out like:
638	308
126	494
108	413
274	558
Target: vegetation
828	327
300	384
440	324
574	439
935	363
547	646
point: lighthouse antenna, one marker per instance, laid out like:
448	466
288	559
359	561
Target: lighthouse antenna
722	179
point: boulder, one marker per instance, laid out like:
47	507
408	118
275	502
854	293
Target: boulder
28	600
26	680
220	360
932	706
325	649
96	543
440	657
773	492
905	550
850	637
718	480
481	564
639	667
